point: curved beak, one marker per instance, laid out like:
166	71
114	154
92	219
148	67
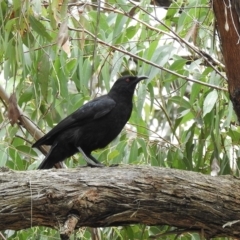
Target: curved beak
142	78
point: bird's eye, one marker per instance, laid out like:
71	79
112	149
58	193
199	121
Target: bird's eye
127	80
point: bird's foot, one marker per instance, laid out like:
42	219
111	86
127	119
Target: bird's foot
90	165
114	165
95	165
98	165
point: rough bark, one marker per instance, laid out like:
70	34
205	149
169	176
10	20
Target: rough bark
228	27
120	196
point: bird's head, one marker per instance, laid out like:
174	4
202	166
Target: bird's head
126	84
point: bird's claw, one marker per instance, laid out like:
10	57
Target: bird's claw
95	165
114	165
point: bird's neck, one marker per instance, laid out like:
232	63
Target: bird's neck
123	96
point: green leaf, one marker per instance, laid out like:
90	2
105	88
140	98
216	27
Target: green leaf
141	98
235	135
209	102
26	150
118	27
181	102
142	143
113	154
133	156
131	31
116	64
43	75
16	5
229	115
195	90
3	157
39	28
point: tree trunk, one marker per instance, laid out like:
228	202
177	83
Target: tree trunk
101	197
227	14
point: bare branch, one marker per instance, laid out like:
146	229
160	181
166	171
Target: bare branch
120	196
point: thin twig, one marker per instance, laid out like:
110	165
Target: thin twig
149	62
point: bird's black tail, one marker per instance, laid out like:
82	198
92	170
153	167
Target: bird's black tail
50	159
45	164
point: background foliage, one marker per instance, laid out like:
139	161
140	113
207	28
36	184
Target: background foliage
55	57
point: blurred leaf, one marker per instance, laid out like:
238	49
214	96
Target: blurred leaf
113	154
235	135
181	101
43	73
196	88
131	31
26	150
229	115
141	98
133	153
3	157
142	143
39	28
116	64
209	102
118	27
26	96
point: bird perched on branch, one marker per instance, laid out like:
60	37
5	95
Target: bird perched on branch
92	126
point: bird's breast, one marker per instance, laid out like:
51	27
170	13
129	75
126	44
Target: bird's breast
102	131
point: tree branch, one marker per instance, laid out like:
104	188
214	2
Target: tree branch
25	121
100	197
27	124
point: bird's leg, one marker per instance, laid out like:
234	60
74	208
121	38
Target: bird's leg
91	161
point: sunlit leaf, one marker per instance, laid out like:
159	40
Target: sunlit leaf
209	102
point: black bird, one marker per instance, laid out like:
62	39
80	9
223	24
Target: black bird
92	126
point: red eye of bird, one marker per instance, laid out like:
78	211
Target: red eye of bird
127	80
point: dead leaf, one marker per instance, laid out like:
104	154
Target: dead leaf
63	34
133	11
66	48
13	112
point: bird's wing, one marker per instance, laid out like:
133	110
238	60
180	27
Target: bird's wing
90	111
94	109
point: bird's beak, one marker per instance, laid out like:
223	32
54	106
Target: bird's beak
142	78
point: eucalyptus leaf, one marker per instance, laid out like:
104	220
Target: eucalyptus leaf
209	102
